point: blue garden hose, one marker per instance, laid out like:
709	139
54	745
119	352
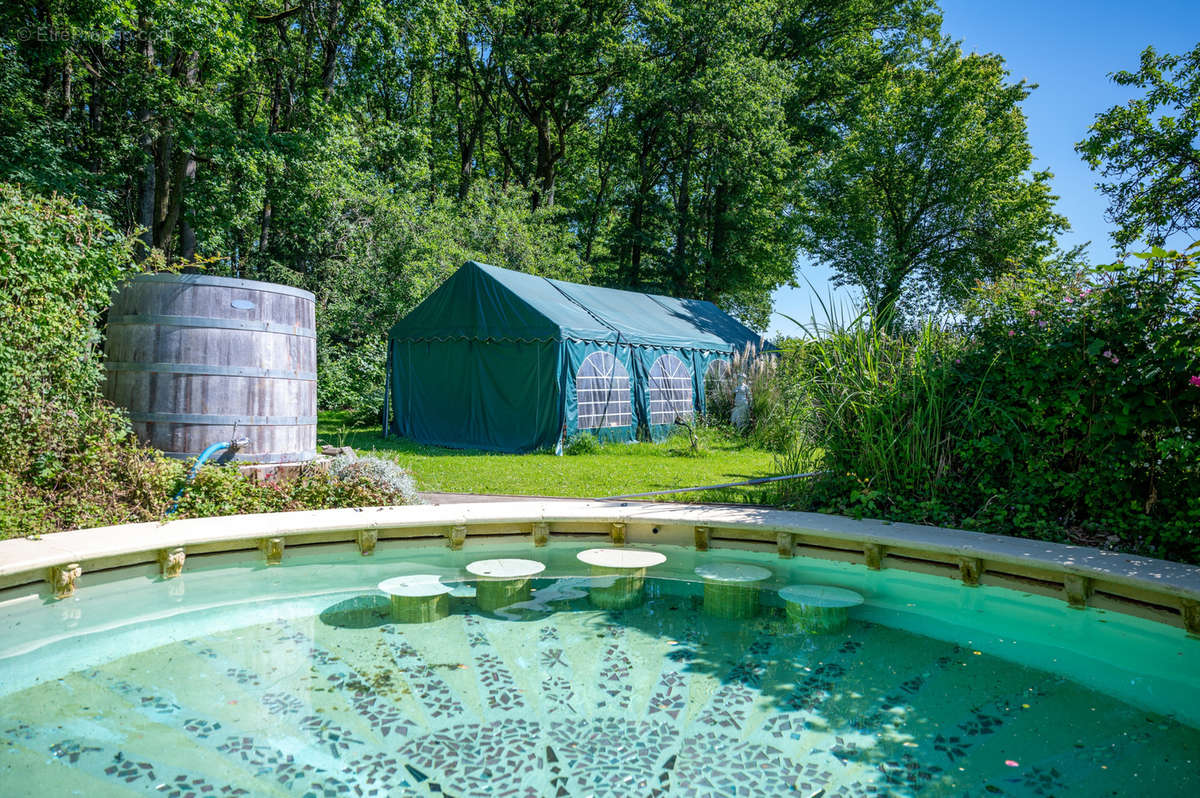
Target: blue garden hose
213	448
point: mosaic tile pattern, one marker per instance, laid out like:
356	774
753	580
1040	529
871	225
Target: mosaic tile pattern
654	701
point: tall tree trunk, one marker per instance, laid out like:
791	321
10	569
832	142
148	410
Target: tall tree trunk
187	234
884	312
170	199
634	277
174	164
469	135
466	161
264	219
594	222
264	224
543	193
67	85
683	203
330	43
96	123
720	240
432	150
148	186
646	177
164	152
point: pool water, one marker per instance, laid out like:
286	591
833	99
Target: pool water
315	692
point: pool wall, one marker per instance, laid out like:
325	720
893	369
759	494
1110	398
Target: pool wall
1169	593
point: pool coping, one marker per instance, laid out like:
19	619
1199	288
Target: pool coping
1160	590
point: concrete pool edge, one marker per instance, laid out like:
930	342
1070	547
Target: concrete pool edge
1158	590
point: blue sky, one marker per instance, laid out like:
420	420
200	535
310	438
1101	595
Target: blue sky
1068	49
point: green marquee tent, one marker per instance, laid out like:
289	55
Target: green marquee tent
506	361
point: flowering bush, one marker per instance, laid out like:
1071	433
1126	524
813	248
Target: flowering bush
1063	408
1089	410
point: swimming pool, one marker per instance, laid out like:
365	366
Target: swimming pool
243	679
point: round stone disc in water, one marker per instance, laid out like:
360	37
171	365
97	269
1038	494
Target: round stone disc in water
621	558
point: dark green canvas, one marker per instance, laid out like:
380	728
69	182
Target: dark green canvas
506	361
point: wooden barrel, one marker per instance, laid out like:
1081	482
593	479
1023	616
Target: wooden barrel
191	356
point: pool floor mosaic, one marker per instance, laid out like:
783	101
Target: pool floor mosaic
654	701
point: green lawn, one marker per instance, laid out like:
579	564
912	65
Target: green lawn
616	469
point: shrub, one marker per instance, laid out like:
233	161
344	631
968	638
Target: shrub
379	473
1062	409
79	466
59	262
351	378
1090	422
582	443
68	459
223	490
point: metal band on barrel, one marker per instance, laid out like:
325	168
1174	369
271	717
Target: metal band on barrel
225	282
210	323
214	371
213	420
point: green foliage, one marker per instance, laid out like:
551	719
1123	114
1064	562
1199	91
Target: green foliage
582	444
58	264
379	472
364	149
1090	418
400	254
222	490
1066	409
1149	148
880	406
65	466
929	189
350	377
67	458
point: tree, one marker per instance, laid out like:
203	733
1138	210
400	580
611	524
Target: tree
556	61
930	189
1150	150
345	145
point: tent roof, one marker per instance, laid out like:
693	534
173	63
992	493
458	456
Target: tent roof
485	302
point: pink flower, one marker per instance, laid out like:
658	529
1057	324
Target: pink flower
1115	359
1195	381
1033	313
1011	333
1070	301
1107	353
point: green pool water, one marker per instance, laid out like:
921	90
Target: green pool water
293	681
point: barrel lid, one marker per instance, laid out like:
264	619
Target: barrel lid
172	278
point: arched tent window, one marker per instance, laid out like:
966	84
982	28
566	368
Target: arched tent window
718	389
670	390
716	373
602	392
